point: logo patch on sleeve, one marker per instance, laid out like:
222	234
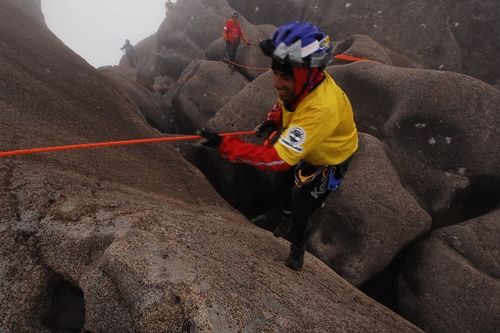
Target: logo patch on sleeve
294	139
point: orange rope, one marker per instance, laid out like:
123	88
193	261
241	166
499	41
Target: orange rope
349	58
112	143
247	67
338	56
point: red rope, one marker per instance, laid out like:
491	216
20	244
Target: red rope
344	57
349	58
247	67
111	143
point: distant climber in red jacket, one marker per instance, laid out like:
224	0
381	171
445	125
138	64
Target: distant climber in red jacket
232	35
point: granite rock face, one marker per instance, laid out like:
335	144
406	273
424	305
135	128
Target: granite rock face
369	219
458	36
437	126
133	238
451	280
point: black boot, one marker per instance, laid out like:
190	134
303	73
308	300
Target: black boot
284	226
295	259
268	219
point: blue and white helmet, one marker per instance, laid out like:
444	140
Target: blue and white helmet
300	44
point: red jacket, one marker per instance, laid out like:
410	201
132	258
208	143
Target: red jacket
232	31
262	157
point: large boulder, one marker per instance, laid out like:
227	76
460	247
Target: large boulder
203	88
364	47
451	280
248	108
421	30
438	126
172	60
369	220
145	58
200	21
139	261
151	106
441	35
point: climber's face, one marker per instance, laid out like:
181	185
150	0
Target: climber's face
284	85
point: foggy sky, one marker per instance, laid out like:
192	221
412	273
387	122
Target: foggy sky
96	29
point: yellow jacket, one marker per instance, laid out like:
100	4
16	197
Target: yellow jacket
321	130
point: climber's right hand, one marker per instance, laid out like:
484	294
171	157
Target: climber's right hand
267	126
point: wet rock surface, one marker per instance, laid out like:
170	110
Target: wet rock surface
136	239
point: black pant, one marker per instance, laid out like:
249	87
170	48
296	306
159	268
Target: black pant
231	48
303	199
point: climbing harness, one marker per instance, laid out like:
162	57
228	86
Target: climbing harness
331	175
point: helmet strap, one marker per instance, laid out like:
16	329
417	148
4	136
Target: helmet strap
306	79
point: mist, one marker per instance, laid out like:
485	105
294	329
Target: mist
96	29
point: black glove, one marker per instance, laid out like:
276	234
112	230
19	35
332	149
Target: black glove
266	127
211	139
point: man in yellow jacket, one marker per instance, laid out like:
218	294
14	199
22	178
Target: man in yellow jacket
318	133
